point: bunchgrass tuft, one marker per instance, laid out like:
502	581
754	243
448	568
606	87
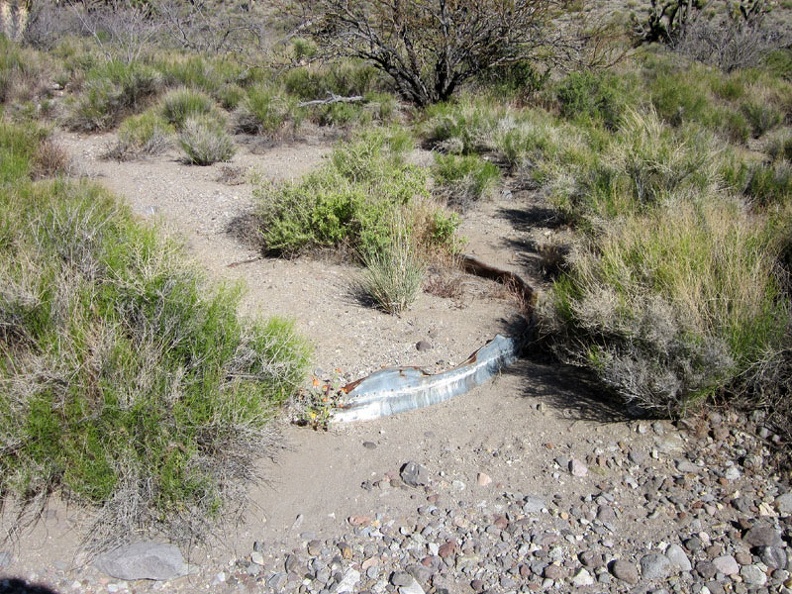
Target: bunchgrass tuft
142	135
205	141
394	273
464	179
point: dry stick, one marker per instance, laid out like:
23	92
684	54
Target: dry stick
332	99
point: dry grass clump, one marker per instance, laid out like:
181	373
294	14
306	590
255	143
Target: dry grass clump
669	307
394	273
205	141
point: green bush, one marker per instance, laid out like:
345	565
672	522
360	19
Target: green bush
205	141
670	306
762	116
23	72
462	180
346	203
599	97
144	134
126	380
181	104
111	92
346	79
266	110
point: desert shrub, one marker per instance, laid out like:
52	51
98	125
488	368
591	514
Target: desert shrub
127	381
462	180
600	97
205	141
267	110
646	163
762	116
348	202
201	73
519	79
23	72
342	78
679	98
181	104
464	127
670	306
394	274
144	134
112	91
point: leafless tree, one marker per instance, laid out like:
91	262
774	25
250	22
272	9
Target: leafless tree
429	47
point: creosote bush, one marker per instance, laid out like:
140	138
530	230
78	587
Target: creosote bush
127	381
346	203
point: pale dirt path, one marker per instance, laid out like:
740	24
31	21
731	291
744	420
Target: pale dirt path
314	484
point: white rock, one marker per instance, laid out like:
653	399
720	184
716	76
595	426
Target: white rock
582	578
349	581
678	557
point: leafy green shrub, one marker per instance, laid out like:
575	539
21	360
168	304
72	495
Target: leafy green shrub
265	110
126	380
670	306
112	91
181	104
205	141
394	274
464	179
347	202
345	78
599	97
144	134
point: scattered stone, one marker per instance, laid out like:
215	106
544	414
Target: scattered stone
763	535
349	581
423	346
314	548
783	504
625	571
414	475
483	479
143	561
677	556
774	557
753	575
582	578
257	558
726	564
577	468
533	504
656	566
369	445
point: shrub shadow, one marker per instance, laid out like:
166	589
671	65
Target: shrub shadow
572	391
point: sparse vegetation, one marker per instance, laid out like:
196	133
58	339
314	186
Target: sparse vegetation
124	376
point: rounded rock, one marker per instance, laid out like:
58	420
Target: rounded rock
656	566
625	571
